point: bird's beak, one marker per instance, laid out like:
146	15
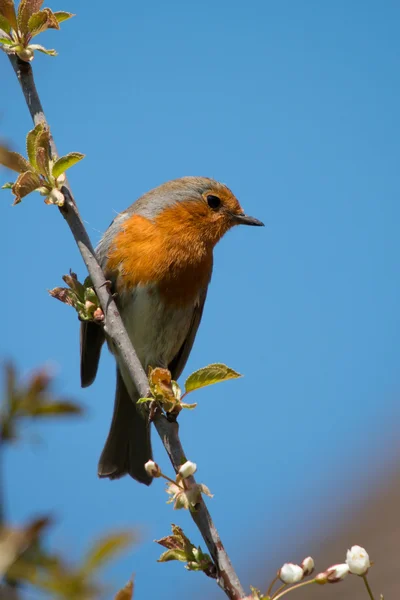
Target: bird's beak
246	220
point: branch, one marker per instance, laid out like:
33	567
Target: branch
131	368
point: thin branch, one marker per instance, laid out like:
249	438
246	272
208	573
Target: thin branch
131	368
2	488
368	587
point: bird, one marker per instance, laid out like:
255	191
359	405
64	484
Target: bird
158	257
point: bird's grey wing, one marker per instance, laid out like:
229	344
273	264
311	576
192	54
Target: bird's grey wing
178	363
92	334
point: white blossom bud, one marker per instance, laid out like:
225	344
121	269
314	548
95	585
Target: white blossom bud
43	191
337	572
307	565
290	573
152	469
61	179
55	197
358	560
187	469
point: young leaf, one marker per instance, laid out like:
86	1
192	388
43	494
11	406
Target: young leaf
6	41
106	549
188	406
7	186
7	10
173	555
42	49
126	593
65	162
51	409
25	11
208	376
13	160
38	22
26	183
42	148
52	22
61	15
31	141
14	542
5	24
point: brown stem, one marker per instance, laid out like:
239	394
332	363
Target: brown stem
131	368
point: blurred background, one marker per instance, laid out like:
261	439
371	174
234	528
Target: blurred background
295	105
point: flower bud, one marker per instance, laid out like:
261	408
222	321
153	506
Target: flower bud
187	469
43	190
152	469
61	179
98	314
55	197
357	560
290	573
308	566
336	573
26	54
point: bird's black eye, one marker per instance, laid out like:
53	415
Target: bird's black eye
213	201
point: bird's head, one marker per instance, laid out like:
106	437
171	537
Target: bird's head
195	205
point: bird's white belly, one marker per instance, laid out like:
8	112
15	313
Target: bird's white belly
157	332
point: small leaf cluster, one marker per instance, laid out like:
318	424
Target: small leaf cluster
17	28
81	296
24	560
16	542
30	563
30	399
179	547
186	494
41	172
168	393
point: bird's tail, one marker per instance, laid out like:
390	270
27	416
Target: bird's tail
128	445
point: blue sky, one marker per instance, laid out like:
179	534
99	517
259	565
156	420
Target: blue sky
295	106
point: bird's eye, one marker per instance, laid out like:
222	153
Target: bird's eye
213	201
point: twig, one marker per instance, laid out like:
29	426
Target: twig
368	587
131	368
2	488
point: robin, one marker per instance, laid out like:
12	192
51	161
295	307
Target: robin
158	255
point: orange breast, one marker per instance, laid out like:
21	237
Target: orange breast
171	252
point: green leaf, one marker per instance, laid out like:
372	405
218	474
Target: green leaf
7	10
25	10
13	160
188	406
66	162
42	151
144	400
51	409
6	41
38	22
106	549
26	183
173	555
42	49
52	22
61	15
42	20
7	186
5	24
208	376
31	140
